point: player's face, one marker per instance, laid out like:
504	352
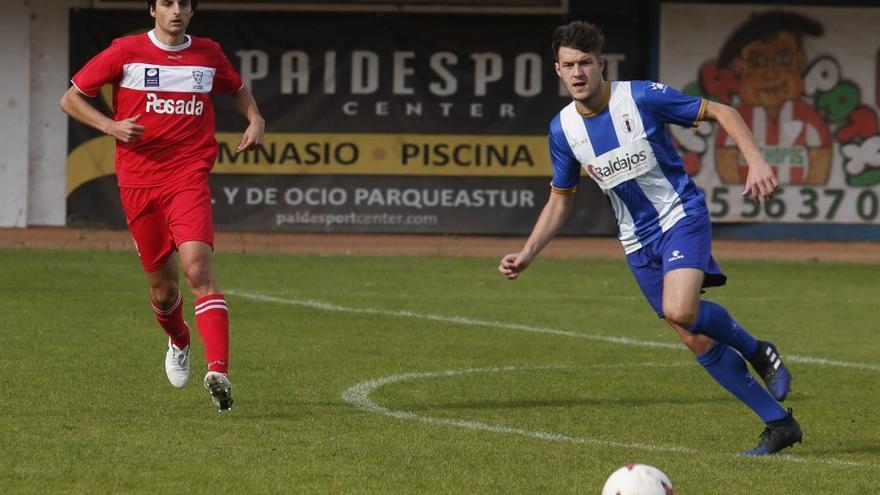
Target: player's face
581	73
172	16
770	72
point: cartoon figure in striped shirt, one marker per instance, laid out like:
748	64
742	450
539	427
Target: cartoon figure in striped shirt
766	55
163	123
616	131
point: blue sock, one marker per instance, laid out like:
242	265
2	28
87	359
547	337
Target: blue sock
714	321
729	369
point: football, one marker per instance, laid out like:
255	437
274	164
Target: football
638	479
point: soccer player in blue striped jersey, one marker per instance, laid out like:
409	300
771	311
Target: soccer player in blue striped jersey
616	131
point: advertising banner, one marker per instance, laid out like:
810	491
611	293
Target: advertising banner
375	122
805	80
447	6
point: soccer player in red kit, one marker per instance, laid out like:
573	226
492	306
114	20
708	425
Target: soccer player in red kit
165	148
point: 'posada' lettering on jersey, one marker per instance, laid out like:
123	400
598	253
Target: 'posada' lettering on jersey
192	106
622	164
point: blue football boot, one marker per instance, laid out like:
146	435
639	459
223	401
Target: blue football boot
777	435
769	366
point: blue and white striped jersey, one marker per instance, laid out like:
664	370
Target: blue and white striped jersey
628	152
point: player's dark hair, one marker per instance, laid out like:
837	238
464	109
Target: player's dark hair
765	27
582	35
151	4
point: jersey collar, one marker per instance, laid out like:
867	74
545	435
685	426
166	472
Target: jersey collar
606	97
169	48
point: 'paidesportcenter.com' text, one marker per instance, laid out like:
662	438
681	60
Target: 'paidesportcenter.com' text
352	218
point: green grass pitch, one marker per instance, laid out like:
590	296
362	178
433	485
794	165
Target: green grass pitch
423	375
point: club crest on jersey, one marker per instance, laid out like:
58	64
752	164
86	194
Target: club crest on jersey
151	77
197	77
629	124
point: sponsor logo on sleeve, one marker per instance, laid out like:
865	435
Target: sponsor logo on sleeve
657	86
575	144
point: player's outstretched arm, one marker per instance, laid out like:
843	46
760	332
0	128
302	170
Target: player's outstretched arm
761	183
73	103
246	105
549	222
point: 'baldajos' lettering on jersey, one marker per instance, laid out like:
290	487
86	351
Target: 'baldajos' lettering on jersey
622	164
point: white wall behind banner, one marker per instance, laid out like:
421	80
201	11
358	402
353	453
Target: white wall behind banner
33	130
14	101
806	81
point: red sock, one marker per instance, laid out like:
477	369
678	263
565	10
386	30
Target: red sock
171	320
212	320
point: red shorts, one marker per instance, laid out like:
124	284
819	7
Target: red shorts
162	218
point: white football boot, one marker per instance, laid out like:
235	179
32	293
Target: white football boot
177	365
217	384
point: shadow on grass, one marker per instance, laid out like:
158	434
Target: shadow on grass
559	403
864	448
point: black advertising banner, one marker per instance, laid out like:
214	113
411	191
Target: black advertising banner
447	6
375	122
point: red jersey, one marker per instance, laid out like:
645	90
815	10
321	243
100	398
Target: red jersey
170	88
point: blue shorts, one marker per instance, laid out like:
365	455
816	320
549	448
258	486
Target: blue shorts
688	244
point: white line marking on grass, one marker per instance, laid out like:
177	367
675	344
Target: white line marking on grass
359	396
831	362
324	306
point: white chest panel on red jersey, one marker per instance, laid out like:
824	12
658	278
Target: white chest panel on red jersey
179	79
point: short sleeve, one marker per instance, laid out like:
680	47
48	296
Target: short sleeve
103	68
566	169
671	105
226	79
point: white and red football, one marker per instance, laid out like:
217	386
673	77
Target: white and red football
638	479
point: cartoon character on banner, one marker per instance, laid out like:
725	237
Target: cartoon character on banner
791	106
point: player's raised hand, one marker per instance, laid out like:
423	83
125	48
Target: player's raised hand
253	136
512	264
761	183
126	130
